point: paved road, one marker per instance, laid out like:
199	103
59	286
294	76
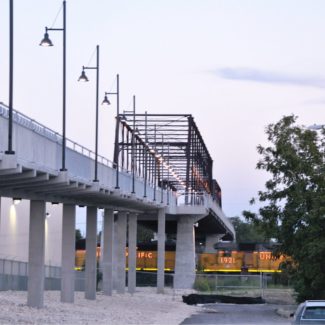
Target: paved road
237	314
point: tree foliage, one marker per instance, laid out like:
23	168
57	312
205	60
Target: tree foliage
78	235
247	231
293	201
144	235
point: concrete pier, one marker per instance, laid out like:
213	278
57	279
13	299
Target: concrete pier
161	251
132	250
36	275
91	246
107	251
120	241
185	254
68	253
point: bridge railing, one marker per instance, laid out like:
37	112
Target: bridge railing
193	198
27	122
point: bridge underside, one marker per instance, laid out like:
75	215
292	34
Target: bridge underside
23	182
207	225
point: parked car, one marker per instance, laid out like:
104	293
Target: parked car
310	312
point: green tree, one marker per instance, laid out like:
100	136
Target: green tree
78	235
144	234
293	210
247	231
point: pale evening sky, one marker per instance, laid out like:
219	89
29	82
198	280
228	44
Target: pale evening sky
235	65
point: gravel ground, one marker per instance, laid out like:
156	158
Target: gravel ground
144	307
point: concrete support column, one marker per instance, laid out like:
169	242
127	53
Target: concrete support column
185	254
161	251
91	246
68	252
115	253
120	257
36	254
107	251
132	257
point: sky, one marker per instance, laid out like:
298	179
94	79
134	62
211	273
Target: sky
235	65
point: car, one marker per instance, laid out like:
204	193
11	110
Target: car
310	312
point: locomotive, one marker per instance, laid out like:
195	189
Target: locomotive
227	258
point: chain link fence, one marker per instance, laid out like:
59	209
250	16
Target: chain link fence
270	287
14	275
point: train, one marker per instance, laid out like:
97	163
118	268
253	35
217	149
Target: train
252	258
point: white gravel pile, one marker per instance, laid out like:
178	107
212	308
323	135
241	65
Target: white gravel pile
144	307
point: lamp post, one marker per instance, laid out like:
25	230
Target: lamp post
47	42
11	70
133	145
168	176
116	149
162	169
146	158
132	150
155	163
84	78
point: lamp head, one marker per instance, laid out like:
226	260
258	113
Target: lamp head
83	76
46	40
16	200
106	102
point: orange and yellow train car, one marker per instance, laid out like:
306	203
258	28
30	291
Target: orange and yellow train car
221	261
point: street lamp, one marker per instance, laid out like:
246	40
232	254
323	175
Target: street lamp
162	169
132	146
84	78
132	149
116	150
11	73
46	42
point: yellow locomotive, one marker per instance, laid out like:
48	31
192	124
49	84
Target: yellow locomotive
254	259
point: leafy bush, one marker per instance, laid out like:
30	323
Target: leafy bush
204	284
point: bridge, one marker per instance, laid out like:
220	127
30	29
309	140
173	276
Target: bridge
160	176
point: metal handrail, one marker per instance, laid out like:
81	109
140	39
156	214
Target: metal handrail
191	198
